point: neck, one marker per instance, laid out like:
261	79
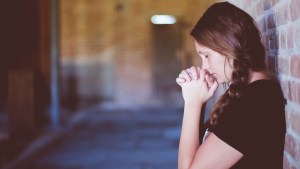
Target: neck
260	75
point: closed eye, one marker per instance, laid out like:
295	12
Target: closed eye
203	54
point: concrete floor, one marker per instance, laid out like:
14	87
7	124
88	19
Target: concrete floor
127	139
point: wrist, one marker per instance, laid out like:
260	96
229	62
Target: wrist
194	103
192	110
194	106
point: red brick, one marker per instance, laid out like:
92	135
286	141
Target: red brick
287	118
295	9
290	37
285	86
264	40
292	146
288	164
291	90
253	13
295	121
295	66
297	36
274	2
282	39
283	65
259	7
294	88
298	93
282	14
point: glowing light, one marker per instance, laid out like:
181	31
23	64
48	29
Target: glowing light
163	19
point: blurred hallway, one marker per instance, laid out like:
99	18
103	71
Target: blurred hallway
60	57
135	139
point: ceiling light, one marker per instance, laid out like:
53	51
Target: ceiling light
163	19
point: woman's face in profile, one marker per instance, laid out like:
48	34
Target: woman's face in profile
215	63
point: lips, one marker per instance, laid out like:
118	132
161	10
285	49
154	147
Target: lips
213	75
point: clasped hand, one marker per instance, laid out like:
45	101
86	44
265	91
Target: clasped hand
197	85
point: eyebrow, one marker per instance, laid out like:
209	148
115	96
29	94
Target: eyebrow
201	52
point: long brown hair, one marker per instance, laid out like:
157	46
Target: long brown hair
232	32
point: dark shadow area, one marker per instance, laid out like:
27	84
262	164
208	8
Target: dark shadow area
27	102
15	143
70	98
20	53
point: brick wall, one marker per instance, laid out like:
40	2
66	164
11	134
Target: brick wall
280	24
86	50
106	47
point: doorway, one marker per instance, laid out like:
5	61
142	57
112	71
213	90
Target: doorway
167	43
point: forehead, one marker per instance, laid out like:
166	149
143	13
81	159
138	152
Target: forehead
201	49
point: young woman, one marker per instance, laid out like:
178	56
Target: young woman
247	124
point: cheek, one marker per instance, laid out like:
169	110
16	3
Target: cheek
223	71
228	71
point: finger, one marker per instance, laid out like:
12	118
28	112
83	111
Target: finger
188	70
180	80
202	74
194	72
213	88
188	75
209	80
198	71
184	74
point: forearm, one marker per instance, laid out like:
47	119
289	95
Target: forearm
189	139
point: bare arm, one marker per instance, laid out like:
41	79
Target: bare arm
189	138
213	153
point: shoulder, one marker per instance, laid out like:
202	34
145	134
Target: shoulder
260	108
263	92
260	87
260	101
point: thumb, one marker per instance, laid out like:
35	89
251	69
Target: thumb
209	80
179	81
213	88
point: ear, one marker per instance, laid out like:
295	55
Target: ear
229	61
228	67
